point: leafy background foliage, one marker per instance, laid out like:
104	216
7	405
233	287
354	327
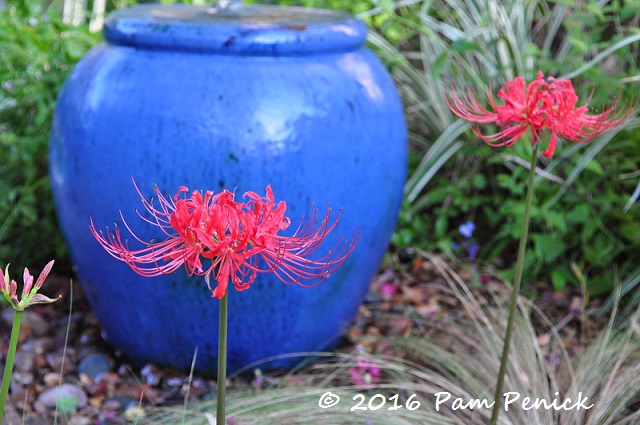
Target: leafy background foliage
586	224
583	229
37	50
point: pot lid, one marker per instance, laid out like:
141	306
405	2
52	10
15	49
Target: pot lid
235	29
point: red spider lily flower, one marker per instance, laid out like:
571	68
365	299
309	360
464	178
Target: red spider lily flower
233	236
542	105
9	288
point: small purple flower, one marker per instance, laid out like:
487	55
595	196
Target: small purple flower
467	229
388	290
365	374
473	251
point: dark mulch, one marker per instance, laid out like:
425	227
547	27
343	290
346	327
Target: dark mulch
101	388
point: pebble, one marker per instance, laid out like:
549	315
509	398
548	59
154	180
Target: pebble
11	416
50	396
97	389
151	374
134	414
89	336
399	325
79	420
113	421
34	323
7	316
372	297
94	365
51	379
98	385
24	362
23	378
110	378
31	323
22	396
56	360
174	382
119	404
67	328
406	255
37	345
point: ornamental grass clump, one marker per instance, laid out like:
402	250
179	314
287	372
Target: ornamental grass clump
457	356
543	106
214	236
30	296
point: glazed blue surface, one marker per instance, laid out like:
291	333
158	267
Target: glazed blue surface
322	126
248	30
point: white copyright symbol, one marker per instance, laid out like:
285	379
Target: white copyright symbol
328	400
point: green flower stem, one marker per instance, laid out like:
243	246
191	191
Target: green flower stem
222	358
8	367
524	235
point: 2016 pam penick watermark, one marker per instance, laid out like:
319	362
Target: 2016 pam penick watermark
443	400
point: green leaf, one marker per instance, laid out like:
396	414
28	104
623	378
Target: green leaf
67	404
589	229
461	46
402	237
555	220
505	181
595	167
439	64
595	10
479	181
599	251
579	43
580	214
444	245
547	248
558	279
74	48
387	5
631	232
599	285
442	225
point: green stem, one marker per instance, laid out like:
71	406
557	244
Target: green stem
222	358
524	235
8	367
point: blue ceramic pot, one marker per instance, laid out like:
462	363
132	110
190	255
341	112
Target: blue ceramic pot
235	99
